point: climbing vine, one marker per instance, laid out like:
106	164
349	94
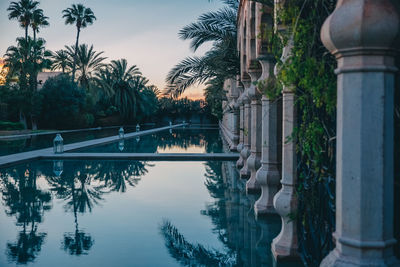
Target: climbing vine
309	71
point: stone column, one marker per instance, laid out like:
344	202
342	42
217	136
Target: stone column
285	245
236	126
253	162
239	163
364	37
245	153
268	176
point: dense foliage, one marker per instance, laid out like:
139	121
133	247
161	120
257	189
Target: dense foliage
64	105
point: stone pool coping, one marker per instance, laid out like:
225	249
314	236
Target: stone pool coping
13	159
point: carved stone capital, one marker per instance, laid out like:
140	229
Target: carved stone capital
362	27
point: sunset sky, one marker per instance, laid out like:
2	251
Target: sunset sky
143	32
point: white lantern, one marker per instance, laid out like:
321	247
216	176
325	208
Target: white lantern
170	123
58	144
121	145
137	127
121	133
58	167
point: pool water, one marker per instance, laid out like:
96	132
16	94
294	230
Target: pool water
24	144
178	140
130	213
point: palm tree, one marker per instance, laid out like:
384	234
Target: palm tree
38	20
81	17
23	12
120	80
220	61
61	60
87	63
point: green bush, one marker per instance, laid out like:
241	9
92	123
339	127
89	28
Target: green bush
10	126
63	105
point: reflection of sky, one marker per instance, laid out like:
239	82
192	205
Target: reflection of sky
143	32
125	228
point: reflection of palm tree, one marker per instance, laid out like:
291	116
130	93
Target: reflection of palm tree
118	175
74	186
24	200
28	246
192	255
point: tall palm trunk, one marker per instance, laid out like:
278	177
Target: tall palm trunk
75	54
26	32
34	79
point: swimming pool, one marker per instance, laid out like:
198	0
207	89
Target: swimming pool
178	140
130	213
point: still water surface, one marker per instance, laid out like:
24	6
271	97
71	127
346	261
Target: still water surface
130	213
178	140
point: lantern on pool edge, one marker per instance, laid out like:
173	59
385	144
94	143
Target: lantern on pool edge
137	127
121	133
170	123
58	144
58	167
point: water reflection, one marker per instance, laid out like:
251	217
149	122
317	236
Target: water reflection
239	239
176	141
26	202
80	185
246	240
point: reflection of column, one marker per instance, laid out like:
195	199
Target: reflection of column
268	175
253	162
363	35
285	245
245	153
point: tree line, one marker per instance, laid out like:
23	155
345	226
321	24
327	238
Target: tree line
88	91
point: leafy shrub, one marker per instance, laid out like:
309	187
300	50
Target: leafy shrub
9	126
63	105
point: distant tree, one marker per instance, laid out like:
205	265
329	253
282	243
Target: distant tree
23	12
60	60
131	93
87	63
38	21
63	105
81	17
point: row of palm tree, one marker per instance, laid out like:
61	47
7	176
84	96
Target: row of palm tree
125	86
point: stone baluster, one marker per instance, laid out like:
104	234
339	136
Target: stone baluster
364	37
268	176
236	117
245	153
285	245
239	163
253	162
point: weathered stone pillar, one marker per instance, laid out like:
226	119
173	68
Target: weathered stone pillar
285	245
364	37
253	162
245	153
239	163
268	176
